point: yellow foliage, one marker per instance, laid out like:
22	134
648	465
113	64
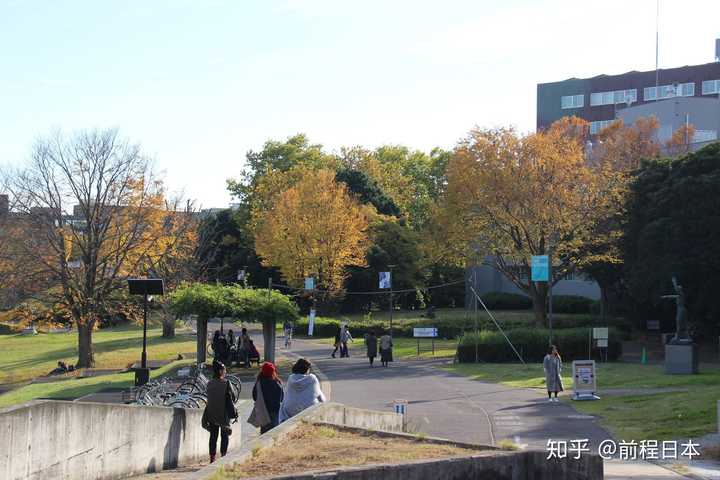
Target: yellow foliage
313	228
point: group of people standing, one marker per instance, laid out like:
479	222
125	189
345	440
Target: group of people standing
228	349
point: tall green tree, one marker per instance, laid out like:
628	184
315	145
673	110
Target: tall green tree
673	228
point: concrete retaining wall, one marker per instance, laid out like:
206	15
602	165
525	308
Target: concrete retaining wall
496	465
79	441
339	414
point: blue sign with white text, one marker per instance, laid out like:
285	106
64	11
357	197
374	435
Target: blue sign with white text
540	268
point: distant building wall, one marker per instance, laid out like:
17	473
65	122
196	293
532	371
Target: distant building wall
491	280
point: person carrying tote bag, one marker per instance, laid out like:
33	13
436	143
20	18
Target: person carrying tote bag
268	396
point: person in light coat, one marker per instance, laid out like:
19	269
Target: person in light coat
552	364
301	391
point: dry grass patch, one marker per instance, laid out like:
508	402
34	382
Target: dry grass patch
320	447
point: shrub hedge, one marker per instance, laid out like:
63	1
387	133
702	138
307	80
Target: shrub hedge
532	343
506	301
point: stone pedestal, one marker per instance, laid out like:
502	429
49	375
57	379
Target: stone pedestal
681	359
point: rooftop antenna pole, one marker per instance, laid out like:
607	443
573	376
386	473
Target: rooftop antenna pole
657	49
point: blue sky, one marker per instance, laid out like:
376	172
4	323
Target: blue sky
198	83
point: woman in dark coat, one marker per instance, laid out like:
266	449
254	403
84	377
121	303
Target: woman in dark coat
219	410
371	342
272	393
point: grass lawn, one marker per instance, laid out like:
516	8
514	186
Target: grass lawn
26	357
661	416
403	348
78	387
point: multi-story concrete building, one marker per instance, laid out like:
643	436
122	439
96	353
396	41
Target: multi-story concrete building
600	99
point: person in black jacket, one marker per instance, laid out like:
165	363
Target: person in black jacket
272	393
219	410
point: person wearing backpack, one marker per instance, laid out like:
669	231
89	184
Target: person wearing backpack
220	410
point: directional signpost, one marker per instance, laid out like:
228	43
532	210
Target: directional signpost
540	271
425	332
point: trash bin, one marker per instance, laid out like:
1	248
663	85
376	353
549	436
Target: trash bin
142	376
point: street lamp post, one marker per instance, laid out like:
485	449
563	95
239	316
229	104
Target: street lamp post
144	287
390	268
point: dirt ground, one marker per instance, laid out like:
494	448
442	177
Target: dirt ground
331	448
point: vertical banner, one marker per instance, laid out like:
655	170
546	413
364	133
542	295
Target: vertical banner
540	268
385	280
309	283
311	322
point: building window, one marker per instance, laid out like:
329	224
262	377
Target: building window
614	97
669	91
710	87
572	101
597	127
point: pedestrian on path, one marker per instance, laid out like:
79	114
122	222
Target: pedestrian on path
386	345
552	364
268	395
345	337
337	342
302	391
372	347
244	347
220	410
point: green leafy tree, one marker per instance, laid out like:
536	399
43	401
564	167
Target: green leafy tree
673	228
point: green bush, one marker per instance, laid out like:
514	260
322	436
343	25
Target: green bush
571	304
532	345
248	304
506	301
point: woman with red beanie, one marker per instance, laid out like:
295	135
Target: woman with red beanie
268	395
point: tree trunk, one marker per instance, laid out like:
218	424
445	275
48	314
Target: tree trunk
86	356
201	327
539	301
269	340
168	326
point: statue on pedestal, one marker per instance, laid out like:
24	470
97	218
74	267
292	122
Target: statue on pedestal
682	336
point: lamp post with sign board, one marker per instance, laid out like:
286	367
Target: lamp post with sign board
385	282
310	287
144	287
541	271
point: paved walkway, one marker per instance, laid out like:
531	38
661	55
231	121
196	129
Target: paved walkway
452	406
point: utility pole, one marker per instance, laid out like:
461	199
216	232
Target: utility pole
392	307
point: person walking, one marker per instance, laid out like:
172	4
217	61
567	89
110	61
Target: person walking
386	346
337	342
552	364
244	347
269	392
372	347
301	391
345	337
219	411
288	329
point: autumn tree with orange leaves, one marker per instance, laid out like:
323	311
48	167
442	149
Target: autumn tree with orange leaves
311	226
510	197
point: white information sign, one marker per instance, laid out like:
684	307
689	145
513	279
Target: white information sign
602	342
584	380
601	333
311	322
425	332
400	407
